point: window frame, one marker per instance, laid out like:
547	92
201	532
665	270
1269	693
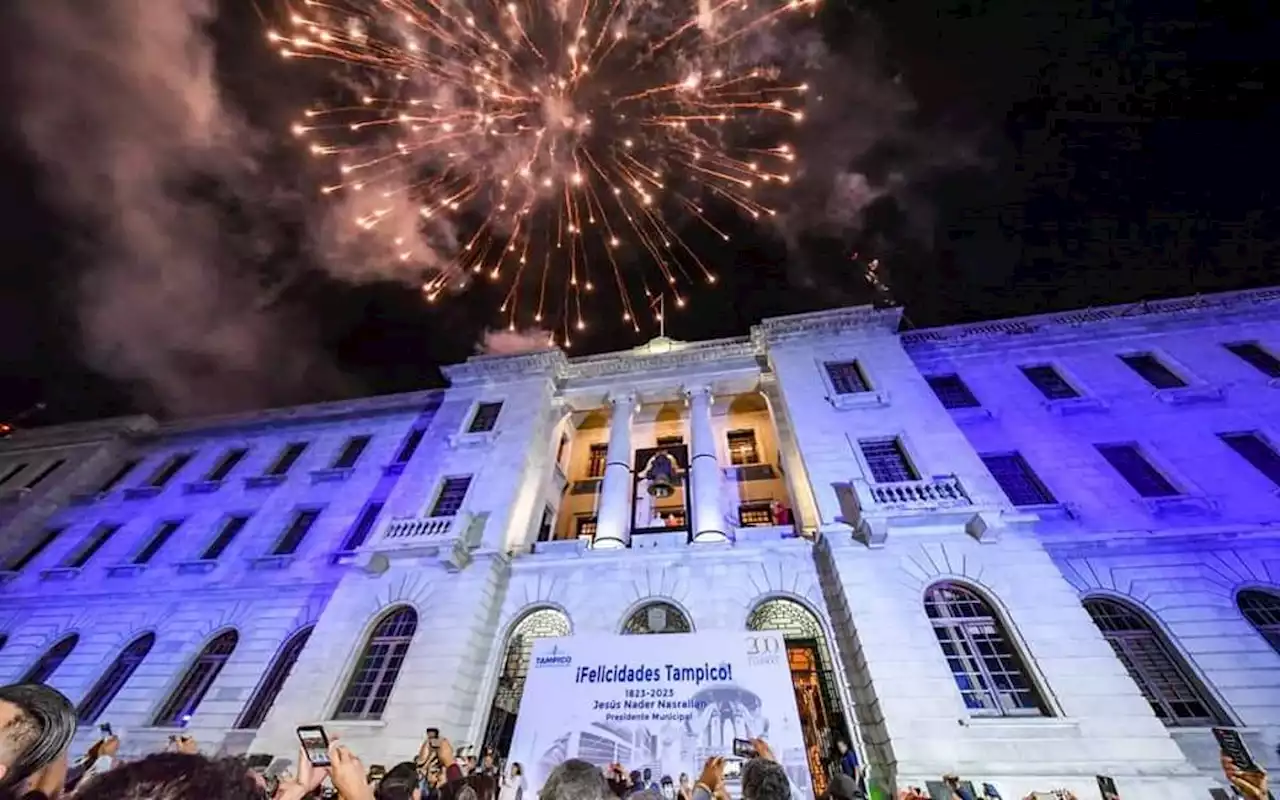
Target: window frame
603	449
366	510
755	447
155	541
17	469
440	492
40	671
123	471
277	549
1179	486
1164	644
859	370
1269	356
1162	367
360	443
199	683
173	466
91	545
371	638
903	448
583	520
474	417
961	628
230	458
1028	474
223	523
278	468
962	386
47	537
268	689
1061	374
1266	441
113	679
411	442
1269	630
48	469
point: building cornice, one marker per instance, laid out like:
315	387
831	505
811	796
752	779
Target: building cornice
821	324
660	356
1091	321
313	413
549	363
77	433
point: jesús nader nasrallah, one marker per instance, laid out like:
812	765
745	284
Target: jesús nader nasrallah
643	673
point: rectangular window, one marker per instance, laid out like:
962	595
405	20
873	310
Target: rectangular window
163	534
755	515
486	417
1257	357
742	448
170	468
1153	371
296	532
888	460
1257	451
670	441
846	377
11	473
44	473
410	445
1051	384
544	527
564	442
100	536
231	527
364	526
596	460
32	553
452	493
227	463
952	391
585	527
290	454
351	452
1134	467
1017	479
119	475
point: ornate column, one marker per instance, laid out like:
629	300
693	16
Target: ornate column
613	517
705	477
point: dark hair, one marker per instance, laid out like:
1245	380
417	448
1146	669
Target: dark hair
518	767
575	779
41	731
175	776
398	783
764	780
648	774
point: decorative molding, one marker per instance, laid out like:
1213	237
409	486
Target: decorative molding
1109	316
77	433
550	362
819	324
680	355
313	413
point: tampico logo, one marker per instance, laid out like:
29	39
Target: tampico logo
763	650
554	659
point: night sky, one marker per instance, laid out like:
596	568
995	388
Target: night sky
1043	156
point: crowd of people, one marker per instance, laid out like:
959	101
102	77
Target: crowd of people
37	724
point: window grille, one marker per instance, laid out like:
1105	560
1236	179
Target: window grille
375	674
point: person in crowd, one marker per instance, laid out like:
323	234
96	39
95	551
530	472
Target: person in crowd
400	783
635	783
685	789
848	759
647	782
616	777
512	786
175	776
575	779
488	766
36	725
101	756
843	787
1250	785
667	787
958	791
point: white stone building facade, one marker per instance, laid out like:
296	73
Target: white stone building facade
1028	551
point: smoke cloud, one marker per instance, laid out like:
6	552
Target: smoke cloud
120	103
506	342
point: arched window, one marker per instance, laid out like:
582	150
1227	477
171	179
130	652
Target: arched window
114	679
375	675
1161	677
177	710
812	678
992	678
657	617
4	639
1262	609
265	695
542	623
43	669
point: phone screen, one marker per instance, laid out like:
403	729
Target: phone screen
732	768
315	744
1233	747
1107	787
743	748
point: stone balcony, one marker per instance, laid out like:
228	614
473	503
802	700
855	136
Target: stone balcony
450	539
929	494
937	503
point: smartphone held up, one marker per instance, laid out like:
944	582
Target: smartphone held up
315	744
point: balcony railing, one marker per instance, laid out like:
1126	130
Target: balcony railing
407	529
451	539
941	491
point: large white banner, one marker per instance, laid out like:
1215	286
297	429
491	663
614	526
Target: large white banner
663	702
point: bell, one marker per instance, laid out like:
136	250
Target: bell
661	476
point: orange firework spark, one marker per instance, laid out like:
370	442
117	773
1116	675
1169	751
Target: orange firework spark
561	141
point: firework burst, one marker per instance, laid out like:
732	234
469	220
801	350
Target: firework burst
561	144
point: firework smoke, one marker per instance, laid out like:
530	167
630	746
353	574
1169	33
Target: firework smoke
121	105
